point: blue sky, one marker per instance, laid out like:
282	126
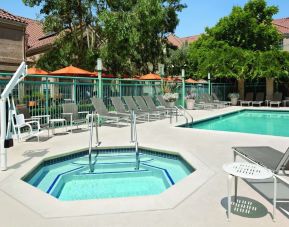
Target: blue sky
193	19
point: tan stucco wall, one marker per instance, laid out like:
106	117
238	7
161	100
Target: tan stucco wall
269	88
286	44
241	88
12	51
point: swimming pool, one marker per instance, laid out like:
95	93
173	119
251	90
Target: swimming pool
265	122
68	177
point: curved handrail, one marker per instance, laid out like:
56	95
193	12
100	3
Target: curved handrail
187	112
134	138
179	108
91	164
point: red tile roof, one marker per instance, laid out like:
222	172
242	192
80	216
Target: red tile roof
178	42
34	30
174	40
8	16
282	25
36	35
190	39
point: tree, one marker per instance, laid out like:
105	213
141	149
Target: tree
249	27
134	32
77	27
177	60
127	34
243	45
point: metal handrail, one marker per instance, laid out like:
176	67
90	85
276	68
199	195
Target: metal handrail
187	112
92	164
134	139
179	108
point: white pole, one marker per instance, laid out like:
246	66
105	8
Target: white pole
16	78
3	156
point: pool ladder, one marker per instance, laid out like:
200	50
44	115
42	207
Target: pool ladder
133	138
180	109
92	164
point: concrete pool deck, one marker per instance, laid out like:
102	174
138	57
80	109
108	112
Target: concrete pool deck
202	205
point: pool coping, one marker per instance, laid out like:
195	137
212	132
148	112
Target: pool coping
49	207
242	108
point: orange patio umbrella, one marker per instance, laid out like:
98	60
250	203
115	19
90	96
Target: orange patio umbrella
103	75
36	71
150	76
191	81
71	70
172	79
202	81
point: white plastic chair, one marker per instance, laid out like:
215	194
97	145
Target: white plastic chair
20	123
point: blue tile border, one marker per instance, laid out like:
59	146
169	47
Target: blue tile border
148	151
59	175
164	170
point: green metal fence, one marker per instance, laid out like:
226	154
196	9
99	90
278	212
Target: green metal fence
46	94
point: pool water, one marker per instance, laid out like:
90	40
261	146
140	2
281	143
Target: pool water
273	123
69	178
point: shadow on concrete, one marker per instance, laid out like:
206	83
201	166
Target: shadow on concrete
29	155
41	139
245	207
265	188
78	130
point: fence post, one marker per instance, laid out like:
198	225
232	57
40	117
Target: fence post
74	91
99	70
120	89
46	97
209	83
183	88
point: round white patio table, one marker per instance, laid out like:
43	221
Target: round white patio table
248	171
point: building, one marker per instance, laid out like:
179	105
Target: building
179	42
283	27
38	42
21	39
12	41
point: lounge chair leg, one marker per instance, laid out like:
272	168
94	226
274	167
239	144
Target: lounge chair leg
274	198
229	196
236	188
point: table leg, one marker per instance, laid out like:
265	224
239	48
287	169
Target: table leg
229	196
236	188
274	198
71	123
53	128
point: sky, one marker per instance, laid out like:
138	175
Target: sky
193	20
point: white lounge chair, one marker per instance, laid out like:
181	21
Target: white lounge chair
259	99
248	99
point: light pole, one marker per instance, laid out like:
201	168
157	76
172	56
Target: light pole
183	87
99	71
209	83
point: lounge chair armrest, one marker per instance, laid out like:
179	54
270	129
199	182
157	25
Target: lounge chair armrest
67	113
33	122
83	112
40	116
